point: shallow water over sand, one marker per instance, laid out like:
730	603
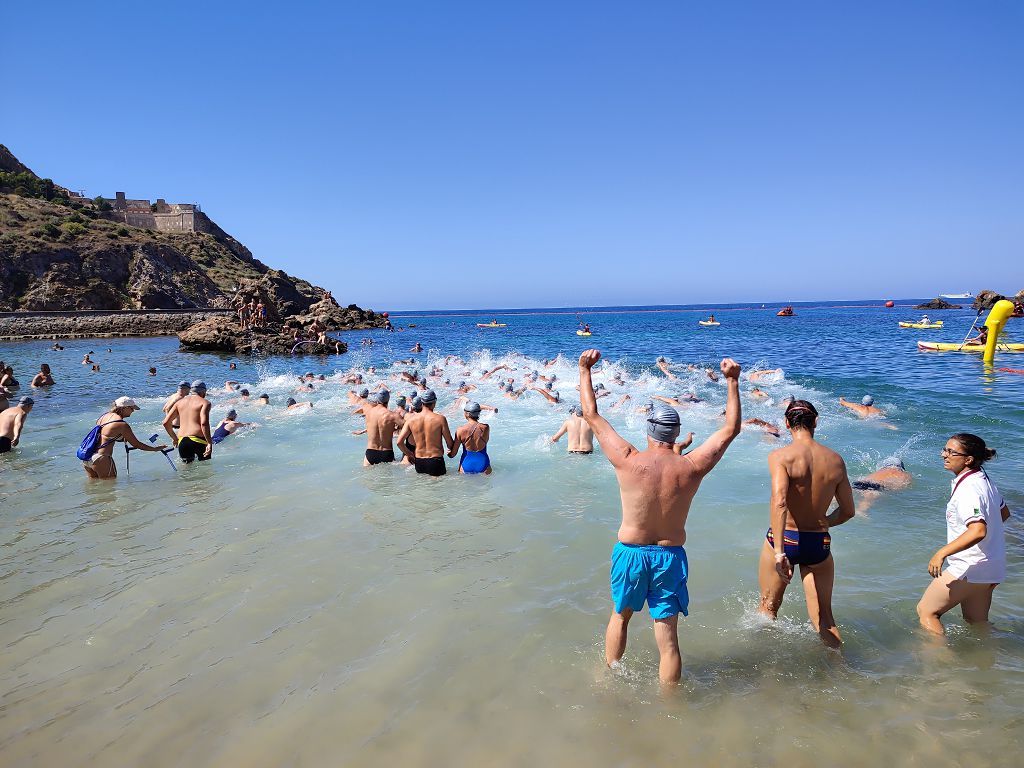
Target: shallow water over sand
283	606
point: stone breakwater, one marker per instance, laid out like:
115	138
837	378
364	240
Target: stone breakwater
16	326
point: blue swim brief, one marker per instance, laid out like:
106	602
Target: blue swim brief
653	574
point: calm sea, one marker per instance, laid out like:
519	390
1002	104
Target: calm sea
282	605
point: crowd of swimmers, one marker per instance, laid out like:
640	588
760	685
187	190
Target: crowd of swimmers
658	482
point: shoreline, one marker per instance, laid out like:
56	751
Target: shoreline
86	324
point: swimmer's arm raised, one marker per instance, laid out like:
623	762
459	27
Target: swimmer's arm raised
614	447
711	450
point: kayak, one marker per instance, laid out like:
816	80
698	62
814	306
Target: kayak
935	346
584	333
492	325
1012	370
708	322
936	324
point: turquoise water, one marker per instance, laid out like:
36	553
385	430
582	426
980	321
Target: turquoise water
283	605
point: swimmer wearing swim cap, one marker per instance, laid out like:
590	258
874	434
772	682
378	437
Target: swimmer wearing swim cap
427	430
865	408
657	486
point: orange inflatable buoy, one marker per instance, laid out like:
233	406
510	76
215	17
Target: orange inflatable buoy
890	304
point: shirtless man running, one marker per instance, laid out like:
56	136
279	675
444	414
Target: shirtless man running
581	436
194	440
427	430
381	426
656	486
806	476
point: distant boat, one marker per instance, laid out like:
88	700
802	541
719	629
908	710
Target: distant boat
967	295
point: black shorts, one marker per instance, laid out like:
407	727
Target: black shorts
582	453
5	444
434	467
867	485
379	457
190	450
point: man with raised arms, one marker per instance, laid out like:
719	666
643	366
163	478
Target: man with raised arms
427	430
193	440
806	476
381	425
581	436
657	486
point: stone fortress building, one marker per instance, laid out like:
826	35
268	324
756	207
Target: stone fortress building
161	215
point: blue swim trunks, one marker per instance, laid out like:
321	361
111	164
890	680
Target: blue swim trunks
653	574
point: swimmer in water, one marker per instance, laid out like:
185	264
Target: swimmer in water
891	475
662	364
760	394
87	360
684	400
472	437
183	389
758	375
657	486
581	436
417	347
44	378
549	394
12	421
193	439
767	426
805	477
152	371
487	374
290	403
381	425
227	427
427	430
865	409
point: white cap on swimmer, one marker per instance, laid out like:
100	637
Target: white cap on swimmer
867	400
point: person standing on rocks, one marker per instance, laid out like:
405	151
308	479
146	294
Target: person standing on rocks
243	316
194	439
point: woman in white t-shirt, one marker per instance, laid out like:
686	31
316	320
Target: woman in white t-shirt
975	552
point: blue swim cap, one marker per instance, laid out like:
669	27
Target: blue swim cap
892	462
472	408
364	392
198	386
232	414
184	385
867	400
428	397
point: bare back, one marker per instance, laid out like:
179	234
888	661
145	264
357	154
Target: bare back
806	476
381	425
194	416
581	436
428	431
656	487
474	435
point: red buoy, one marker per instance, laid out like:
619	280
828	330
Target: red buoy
890	304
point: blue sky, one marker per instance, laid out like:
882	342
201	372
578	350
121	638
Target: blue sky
466	154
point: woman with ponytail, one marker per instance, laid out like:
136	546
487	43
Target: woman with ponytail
975	552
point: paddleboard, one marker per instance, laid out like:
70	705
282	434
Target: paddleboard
584	333
935	346
491	325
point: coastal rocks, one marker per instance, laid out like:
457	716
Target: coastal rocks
938	304
987	299
78	325
223	334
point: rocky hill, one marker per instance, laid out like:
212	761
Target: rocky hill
63	252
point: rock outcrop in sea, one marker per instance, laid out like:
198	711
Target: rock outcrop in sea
61	251
938	303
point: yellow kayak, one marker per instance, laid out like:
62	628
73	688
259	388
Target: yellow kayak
492	325
584	333
934	346
936	324
708	322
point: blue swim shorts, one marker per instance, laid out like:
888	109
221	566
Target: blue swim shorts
653	574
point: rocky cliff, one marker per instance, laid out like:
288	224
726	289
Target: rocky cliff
62	252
